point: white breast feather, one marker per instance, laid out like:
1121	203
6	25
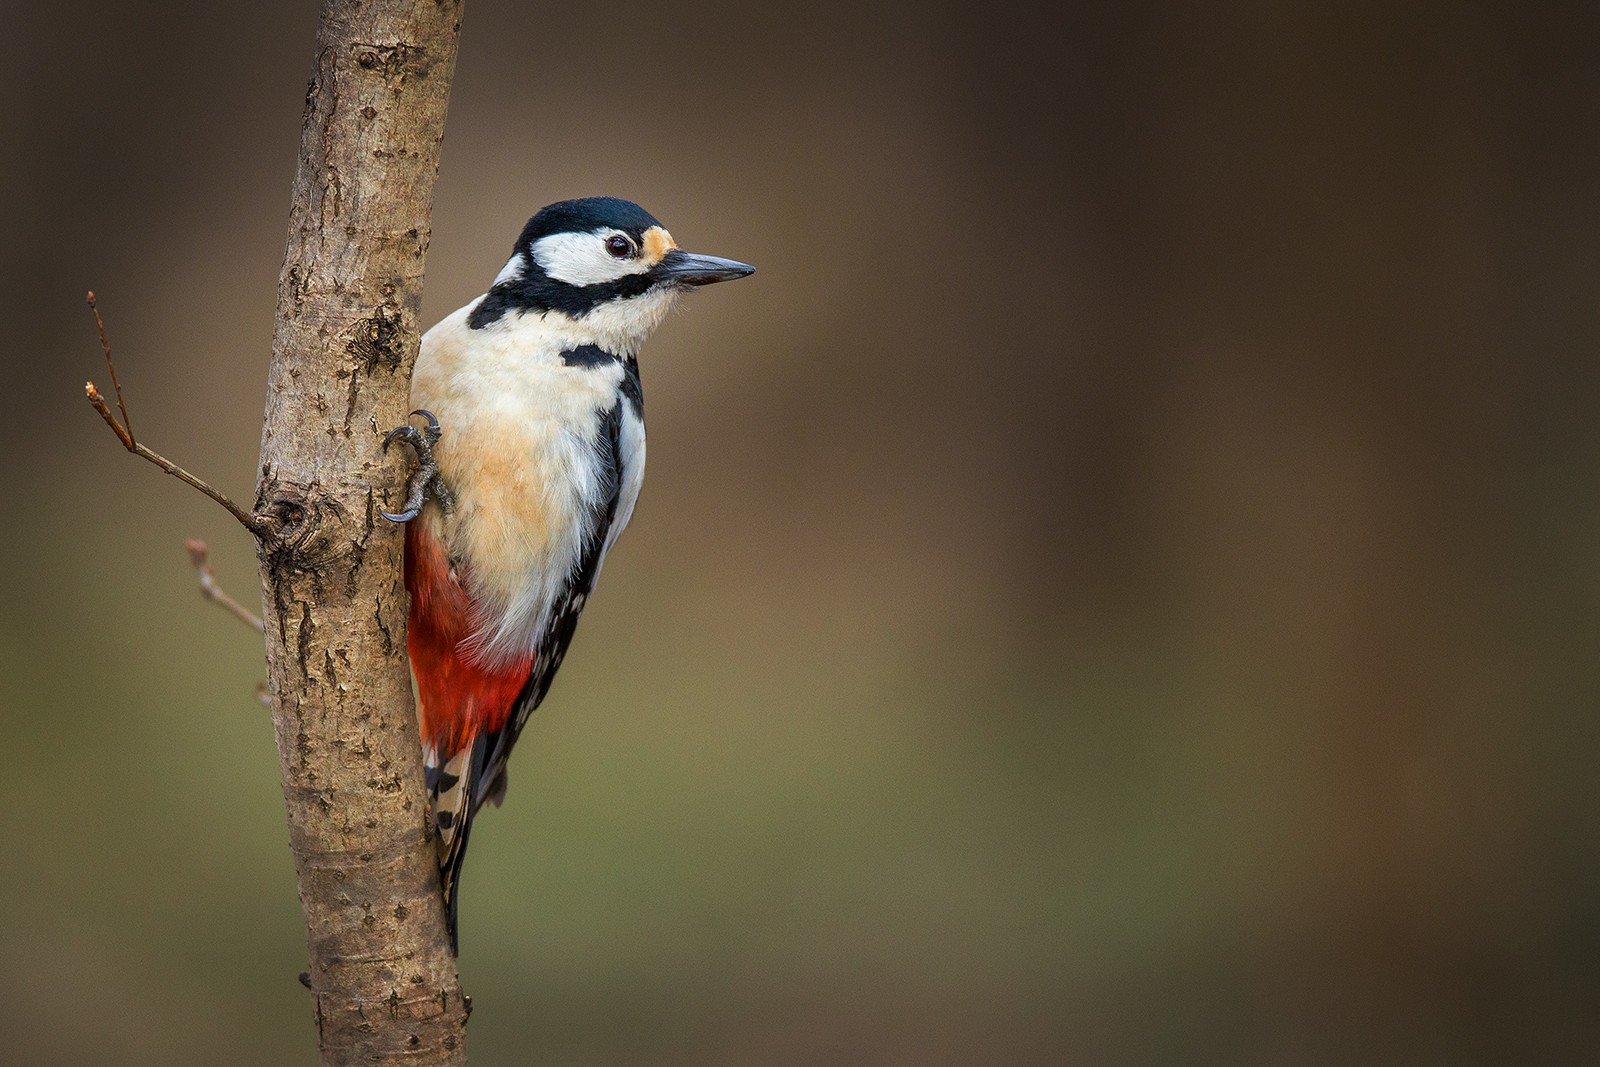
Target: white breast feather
519	449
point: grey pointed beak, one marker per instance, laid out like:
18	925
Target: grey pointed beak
687	268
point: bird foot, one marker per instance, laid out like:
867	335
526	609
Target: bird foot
426	478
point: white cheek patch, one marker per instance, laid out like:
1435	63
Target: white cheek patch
582	259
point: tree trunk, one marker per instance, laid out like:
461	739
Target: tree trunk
382	974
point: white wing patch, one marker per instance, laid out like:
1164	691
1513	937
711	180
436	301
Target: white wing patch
630	458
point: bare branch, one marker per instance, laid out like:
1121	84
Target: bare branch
117	428
200	556
253	523
105	346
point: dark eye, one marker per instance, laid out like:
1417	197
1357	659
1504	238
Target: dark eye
619	245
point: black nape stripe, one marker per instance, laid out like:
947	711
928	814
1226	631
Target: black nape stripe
491	309
539	292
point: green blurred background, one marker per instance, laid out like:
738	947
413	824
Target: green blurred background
1118	586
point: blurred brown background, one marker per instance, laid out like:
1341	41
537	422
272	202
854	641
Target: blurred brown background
1118	586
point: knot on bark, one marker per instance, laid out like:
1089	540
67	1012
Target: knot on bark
304	527
376	341
394	60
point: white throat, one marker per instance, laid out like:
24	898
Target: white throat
620	325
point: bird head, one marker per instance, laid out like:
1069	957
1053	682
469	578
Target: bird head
604	264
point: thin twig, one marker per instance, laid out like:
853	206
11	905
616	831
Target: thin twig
200	556
99	403
250	522
105	346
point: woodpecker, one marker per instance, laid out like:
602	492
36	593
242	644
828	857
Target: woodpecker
528	470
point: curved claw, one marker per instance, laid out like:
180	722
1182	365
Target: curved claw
398	431
426	476
427	437
416	493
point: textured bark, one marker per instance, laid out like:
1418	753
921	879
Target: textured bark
382	973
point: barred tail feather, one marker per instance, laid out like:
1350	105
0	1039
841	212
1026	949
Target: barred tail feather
452	786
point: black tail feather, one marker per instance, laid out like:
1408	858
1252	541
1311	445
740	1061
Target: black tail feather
453	821
450	882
